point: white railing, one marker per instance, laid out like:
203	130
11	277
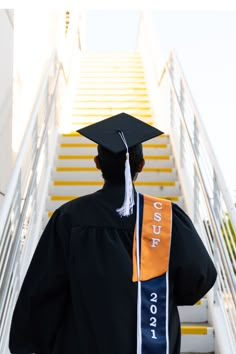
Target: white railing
22	214
206	195
23	208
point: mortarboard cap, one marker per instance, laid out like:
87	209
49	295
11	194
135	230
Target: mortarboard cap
106	132
117	134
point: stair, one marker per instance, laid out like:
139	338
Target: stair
195	329
107	84
75	172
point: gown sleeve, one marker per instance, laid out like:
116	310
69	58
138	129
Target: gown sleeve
194	272
42	300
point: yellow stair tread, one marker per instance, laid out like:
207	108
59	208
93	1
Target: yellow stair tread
106	75
151	183
100	92
88	169
129	100
74	133
102	114
75	169
194	329
85	123
134	88
110	68
98	183
124	80
121	108
90	157
78	145
72	197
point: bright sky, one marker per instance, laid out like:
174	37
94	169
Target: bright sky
205	42
206	46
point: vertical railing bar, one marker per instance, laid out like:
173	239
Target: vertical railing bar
195	180
181	138
214	196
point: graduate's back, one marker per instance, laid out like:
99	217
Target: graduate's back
78	296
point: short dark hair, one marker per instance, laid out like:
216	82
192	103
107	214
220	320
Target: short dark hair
113	165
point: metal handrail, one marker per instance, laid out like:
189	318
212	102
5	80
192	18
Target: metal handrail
224	189
220	243
215	206
17	169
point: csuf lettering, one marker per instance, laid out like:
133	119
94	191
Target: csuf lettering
156	229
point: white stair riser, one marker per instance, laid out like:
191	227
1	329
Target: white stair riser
112	86
109	62
99	64
105	99
78	122
96	175
54	204
111	79
90	163
103	105
196	313
107	91
161	191
110	56
79	118
78	139
110	70
82	190
200	343
103	111
157	176
116	76
158	151
78	176
107	94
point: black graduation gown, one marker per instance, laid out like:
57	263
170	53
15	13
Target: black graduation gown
78	296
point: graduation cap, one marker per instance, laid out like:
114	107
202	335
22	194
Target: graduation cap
117	134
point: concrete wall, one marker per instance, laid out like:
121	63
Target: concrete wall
6	74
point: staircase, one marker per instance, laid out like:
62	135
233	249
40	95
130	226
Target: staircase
107	84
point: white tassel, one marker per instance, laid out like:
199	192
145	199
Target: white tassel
127	208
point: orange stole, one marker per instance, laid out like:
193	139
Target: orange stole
155	239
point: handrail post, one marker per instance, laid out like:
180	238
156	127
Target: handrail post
216	196
196	186
172	109
172	102
181	138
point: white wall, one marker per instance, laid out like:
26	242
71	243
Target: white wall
27	41
6	70
36	37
